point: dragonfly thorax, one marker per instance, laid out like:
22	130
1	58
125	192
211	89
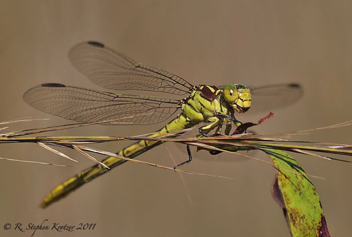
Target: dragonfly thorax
203	103
238	96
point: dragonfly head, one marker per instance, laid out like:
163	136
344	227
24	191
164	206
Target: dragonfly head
238	96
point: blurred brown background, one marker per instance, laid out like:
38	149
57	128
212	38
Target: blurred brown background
251	42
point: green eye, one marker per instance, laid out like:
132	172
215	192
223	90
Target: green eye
230	93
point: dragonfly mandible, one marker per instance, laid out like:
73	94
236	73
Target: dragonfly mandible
115	71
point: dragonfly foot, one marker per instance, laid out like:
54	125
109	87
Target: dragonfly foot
187	161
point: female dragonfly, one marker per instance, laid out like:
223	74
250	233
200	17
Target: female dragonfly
116	71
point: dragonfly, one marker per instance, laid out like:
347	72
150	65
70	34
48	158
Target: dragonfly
214	106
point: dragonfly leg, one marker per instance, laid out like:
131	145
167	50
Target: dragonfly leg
214	122
202	133
228	127
189	157
219	128
226	117
235	121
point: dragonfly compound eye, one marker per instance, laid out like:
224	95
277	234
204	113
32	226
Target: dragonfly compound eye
230	93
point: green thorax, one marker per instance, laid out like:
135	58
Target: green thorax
203	103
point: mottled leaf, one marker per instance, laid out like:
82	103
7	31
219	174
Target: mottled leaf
297	196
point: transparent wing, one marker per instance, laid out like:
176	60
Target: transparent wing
269	97
275	96
87	105
113	70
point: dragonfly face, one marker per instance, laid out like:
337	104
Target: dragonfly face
238	96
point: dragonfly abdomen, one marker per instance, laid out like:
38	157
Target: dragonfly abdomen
63	189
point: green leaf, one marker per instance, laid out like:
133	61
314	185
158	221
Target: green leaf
297	196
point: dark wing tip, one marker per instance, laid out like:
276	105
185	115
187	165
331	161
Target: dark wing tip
294	85
52	85
96	44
